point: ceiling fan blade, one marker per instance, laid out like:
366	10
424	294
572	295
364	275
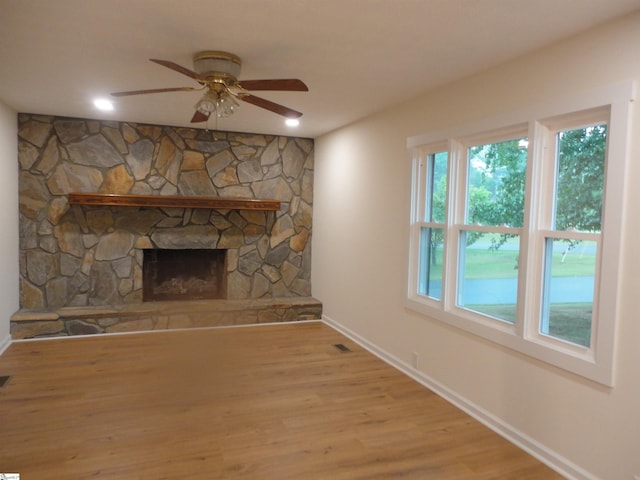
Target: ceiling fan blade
178	68
199	117
268	105
281	84
155	90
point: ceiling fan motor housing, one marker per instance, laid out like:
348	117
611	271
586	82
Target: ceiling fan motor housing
218	64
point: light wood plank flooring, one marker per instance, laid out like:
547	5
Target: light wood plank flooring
259	403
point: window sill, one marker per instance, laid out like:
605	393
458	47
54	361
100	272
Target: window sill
565	356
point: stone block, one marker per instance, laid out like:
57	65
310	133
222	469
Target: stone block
298	242
196	183
94	151
131	325
57	208
31	296
33	194
49	158
168	160
192	160
79	327
35	329
117	180
68	177
69	239
271	154
35	132
69	130
282	230
250	171
180	321
192	236
292	160
114	136
27	155
115	245
226	177
41	266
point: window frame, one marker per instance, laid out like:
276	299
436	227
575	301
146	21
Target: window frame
539	124
421	176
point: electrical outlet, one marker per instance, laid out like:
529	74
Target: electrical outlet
415	361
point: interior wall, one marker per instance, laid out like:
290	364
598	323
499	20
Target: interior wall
361	214
8	220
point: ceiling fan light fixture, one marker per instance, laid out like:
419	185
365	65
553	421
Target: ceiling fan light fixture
226	105
207	104
222	104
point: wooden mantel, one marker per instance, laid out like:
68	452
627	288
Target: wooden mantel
171	201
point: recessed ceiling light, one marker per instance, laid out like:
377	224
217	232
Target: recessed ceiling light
292	122
103	104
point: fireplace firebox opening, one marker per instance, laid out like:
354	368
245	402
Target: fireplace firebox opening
183	274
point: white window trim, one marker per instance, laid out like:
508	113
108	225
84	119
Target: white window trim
595	363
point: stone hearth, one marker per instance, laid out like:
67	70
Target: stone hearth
161	316
79	256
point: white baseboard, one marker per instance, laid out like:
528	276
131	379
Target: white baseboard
4	343
528	444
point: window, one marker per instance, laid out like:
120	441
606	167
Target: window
508	230
489	238
432	225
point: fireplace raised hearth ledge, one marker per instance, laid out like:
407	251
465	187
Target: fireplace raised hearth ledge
171	201
148	316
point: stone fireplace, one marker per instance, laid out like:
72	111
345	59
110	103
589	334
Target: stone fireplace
85	262
183	274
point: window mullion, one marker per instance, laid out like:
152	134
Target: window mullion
420	169
538	218
417	206
456	201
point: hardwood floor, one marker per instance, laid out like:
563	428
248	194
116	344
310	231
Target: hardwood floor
260	403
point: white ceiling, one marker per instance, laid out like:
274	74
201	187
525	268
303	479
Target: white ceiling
356	56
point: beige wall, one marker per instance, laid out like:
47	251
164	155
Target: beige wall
8	220
360	242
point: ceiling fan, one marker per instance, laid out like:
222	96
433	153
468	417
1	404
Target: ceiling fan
217	73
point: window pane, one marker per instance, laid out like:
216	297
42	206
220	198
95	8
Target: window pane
580	178
488	279
436	187
495	189
430	273
570	268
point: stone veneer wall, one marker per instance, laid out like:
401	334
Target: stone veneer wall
91	255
